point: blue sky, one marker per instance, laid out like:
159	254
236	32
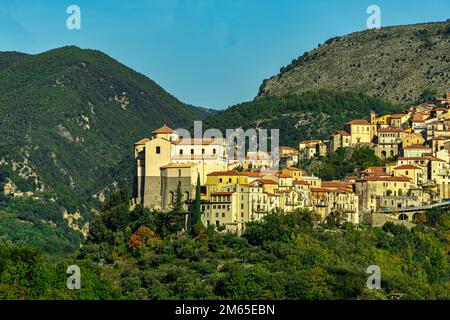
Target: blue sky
212	53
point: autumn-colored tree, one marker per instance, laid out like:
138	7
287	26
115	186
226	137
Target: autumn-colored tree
143	237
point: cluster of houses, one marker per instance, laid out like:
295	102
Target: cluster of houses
415	146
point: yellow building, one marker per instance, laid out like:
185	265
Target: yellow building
231	201
415	173
412	139
360	131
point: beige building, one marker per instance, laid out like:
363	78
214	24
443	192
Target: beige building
155	178
340	139
361	131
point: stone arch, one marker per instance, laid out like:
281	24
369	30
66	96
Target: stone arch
383	154
403	217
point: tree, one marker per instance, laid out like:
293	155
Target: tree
178	205
197	221
144	236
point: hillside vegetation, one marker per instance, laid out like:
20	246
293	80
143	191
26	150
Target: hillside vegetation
312	115
68	121
400	64
144	255
69	117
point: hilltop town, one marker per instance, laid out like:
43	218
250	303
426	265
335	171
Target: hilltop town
414	145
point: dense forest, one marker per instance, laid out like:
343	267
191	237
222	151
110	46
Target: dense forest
141	254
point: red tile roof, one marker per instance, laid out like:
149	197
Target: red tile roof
358	121
390	130
398	116
301	182
416	146
406	166
385	178
164	130
343	133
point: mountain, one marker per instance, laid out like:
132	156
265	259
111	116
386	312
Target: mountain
69	118
399	64
311	115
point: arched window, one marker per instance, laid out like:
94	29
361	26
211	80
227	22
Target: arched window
171	197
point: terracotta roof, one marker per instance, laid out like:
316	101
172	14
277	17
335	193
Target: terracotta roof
406	166
358	121
437	159
143	141
386	178
390	129
335	184
164	130
293	169
251	174
301	182
283	175
416	146
343	133
285	191
398	116
414	158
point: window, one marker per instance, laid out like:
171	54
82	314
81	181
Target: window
158	150
242	206
242	214
181	151
203	151
223	214
217	214
192	151
229	180
214	151
220	180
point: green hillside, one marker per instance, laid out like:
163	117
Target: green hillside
70	116
68	121
313	115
